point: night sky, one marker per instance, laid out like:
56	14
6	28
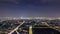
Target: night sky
42	8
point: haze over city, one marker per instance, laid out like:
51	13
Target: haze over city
29	16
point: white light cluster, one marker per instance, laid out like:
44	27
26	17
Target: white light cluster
10	18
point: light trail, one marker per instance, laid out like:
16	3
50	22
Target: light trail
16	28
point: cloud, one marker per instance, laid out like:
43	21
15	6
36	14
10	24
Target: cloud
13	1
33	2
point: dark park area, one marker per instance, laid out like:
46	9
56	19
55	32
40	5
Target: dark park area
45	31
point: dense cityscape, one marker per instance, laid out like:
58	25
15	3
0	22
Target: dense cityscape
29	16
28	25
